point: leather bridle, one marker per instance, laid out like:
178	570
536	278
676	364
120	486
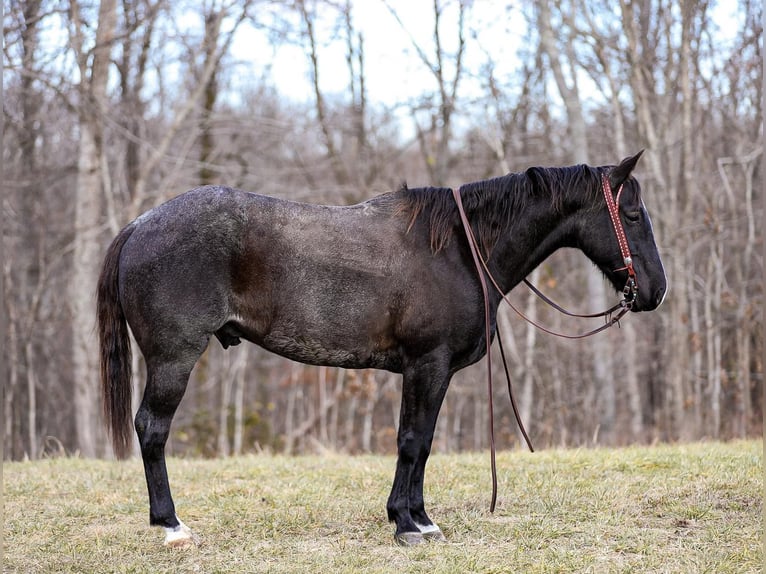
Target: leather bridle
630	293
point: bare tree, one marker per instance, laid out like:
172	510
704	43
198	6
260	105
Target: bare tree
93	64
564	67
338	167
651	74
22	351
435	131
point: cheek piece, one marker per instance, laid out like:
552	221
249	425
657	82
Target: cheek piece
630	291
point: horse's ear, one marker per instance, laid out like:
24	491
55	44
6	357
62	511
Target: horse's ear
620	173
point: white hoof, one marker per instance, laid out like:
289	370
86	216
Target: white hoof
180	536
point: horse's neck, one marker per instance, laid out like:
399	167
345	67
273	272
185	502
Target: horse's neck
535	234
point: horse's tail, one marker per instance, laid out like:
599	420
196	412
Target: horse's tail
114	346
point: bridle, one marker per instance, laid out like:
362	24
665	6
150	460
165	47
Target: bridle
630	293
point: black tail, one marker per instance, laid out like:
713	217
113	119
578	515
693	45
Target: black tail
114	345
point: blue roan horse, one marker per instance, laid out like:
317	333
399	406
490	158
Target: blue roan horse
388	284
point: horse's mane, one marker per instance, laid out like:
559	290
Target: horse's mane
492	205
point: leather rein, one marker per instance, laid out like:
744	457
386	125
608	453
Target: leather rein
630	293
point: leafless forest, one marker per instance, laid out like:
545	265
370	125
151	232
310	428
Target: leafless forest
113	107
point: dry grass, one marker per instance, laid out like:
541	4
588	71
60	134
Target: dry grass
689	508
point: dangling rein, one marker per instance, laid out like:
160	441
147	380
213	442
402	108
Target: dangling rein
630	292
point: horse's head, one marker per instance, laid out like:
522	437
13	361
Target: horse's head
599	242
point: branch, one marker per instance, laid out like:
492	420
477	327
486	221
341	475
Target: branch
160	150
339	169
421	54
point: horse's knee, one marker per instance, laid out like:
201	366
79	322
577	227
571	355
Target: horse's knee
406	451
410	446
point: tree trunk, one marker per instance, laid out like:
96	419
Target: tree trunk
697	372
88	214
457	423
28	249
479	420
322	384
336	161
11	354
713	337
526	399
600	347
240	370
745	313
32	398
645	102
688	185
84	276
181	114
340	376
292	394
209	97
371	388
224	386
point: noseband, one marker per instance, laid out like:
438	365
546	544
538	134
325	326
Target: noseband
630	293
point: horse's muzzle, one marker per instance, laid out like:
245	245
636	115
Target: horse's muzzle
652	302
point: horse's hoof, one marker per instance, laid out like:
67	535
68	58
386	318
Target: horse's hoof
435	536
180	543
181	537
431	533
409	538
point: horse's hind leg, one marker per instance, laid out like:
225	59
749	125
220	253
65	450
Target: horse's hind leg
165	386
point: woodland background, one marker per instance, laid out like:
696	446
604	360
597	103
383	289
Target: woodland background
111	107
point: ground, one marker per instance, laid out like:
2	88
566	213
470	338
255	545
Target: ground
684	508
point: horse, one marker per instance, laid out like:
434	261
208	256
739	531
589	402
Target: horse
388	283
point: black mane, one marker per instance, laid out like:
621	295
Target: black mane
493	204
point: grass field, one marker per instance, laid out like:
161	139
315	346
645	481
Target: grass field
688	508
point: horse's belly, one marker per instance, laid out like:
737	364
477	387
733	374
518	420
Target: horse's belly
314	351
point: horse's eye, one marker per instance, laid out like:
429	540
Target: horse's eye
633	216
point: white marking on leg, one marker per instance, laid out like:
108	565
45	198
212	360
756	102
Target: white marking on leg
180	535
431	532
427	529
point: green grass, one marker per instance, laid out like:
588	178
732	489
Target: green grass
688	508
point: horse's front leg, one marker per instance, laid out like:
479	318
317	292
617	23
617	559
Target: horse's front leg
427	527
423	389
